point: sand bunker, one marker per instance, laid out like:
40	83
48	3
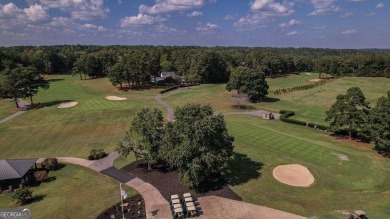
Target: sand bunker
115	98
67	105
315	80
293	175
341	156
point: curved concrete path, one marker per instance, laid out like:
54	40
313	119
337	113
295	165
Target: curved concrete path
155	204
22	104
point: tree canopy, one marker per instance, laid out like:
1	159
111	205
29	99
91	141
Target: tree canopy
197	144
380	124
350	111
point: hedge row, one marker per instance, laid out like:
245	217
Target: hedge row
177	87
285	114
297	88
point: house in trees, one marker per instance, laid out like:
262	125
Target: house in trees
14	173
164	75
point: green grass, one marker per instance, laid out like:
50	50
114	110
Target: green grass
309	105
94	123
7	108
291	80
361	183
75	193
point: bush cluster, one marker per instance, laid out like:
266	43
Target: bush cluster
285	114
297	88
97	154
50	163
40	176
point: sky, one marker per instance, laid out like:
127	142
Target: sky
274	23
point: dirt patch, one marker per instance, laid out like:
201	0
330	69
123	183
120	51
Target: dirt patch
115	98
168	183
293	175
341	156
67	105
316	80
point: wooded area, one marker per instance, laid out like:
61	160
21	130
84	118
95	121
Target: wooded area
198	64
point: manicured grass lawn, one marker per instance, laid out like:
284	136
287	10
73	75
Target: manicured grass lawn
291	80
94	123
360	183
7	108
309	105
76	192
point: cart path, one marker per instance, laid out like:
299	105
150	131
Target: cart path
171	117
22	104
157	207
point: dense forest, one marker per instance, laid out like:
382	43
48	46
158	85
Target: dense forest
134	64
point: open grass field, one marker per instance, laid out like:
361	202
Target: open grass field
76	192
360	183
94	123
309	105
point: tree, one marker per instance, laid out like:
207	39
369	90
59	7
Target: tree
11	85
33	82
23	195
40	176
237	78
350	111
128	145
147	130
255	86
118	73
50	163
209	67
197	144
89	65
380	124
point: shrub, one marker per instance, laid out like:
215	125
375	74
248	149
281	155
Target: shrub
169	89
40	176
23	195
50	164
97	154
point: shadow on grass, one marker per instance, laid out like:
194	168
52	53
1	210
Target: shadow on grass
36	198
243	107
50	103
242	169
55	80
270	100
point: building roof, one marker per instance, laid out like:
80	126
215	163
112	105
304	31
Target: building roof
13	169
165	74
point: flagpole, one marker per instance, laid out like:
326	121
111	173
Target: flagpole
120	185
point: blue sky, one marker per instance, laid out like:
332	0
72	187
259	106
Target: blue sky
279	23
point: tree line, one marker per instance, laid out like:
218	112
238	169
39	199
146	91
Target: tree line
199	64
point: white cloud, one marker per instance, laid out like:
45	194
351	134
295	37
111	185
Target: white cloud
93	27
207	27
272	7
35	13
292	22
140	20
350	31
195	14
320	27
168	6
229	17
324	7
293	33
380	5
79	9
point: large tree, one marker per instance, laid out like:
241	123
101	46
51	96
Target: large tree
197	143
350	111
249	81
380	124
146	131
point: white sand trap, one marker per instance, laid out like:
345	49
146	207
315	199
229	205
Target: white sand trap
67	105
341	156
293	175
315	80
115	98
308	73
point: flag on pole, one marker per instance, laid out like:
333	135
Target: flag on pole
123	193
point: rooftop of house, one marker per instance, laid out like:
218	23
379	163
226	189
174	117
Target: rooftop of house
13	169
